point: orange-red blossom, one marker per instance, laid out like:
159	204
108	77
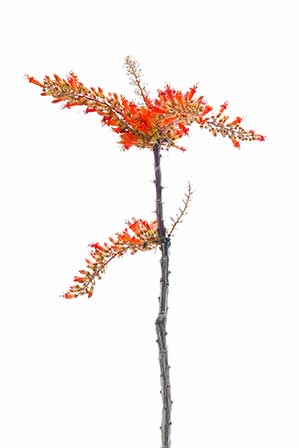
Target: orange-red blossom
139	236
161	120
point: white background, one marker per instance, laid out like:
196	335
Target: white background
85	373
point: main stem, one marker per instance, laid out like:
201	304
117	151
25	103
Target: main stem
163	307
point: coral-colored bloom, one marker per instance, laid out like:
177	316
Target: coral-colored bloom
168	120
261	138
158	109
98	247
236	143
72	80
34	81
223	107
201	120
236	121
57	78
169	92
207	109
183	128
90	109
90	293
135	226
191	92
57	100
129	139
69	105
68	295
79	279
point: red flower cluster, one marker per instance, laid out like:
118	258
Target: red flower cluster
139	236
162	120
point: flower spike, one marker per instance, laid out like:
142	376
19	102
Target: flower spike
139	236
164	119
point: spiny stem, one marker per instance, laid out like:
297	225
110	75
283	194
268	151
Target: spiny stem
163	307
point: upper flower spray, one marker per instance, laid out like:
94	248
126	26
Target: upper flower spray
161	120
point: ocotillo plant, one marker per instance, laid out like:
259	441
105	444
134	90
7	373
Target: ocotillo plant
156	124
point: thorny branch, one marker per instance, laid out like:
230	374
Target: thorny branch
183	210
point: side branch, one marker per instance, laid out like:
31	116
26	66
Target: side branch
182	211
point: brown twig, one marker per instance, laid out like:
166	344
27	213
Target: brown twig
183	210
